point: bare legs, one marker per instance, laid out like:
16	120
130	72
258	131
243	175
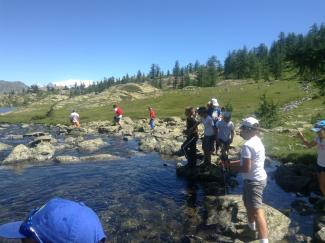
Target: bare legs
257	215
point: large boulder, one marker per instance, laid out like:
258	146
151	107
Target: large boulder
296	178
43	151
18	154
127	121
108	129
147	144
91	145
168	147
228	213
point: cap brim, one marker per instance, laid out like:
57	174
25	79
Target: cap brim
11	230
316	129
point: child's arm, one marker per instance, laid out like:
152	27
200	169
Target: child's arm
244	168
232	134
308	144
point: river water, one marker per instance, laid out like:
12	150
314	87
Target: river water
139	198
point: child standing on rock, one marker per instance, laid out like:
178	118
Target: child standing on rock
319	127
152	115
189	146
225	132
251	167
209	134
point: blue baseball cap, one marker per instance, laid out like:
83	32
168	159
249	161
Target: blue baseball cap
318	126
60	221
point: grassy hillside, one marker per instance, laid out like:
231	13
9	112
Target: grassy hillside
243	96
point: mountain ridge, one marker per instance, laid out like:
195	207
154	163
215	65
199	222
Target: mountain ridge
9	86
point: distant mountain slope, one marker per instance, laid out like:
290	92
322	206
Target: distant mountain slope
17	86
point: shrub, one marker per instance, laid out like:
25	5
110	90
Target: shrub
267	112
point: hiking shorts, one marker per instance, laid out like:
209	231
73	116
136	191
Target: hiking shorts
208	144
253	193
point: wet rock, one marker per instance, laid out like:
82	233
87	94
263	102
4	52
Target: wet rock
192	239
18	154
229	213
77	132
203	172
4	146
43	151
126	131
127	121
65	159
168	147
294	178
91	145
319	221
320	205
302	207
107	129
147	144
99	157
45	138
35	134
73	140
320	235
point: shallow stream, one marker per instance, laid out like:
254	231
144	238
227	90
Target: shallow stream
139	198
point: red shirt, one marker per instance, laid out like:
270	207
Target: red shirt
152	114
118	111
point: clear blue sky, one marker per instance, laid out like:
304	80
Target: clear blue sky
42	41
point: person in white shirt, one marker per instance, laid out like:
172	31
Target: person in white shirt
75	119
251	167
209	134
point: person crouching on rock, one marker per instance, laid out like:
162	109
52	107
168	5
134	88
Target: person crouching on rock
319	127
188	148
251	167
118	114
209	134
75	119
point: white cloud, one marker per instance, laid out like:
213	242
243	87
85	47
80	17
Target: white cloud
71	83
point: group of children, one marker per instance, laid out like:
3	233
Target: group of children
219	129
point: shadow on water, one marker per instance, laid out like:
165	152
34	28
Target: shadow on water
137	198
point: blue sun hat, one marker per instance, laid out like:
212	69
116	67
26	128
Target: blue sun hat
60	221
319	126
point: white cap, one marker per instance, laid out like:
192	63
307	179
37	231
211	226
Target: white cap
249	122
214	102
